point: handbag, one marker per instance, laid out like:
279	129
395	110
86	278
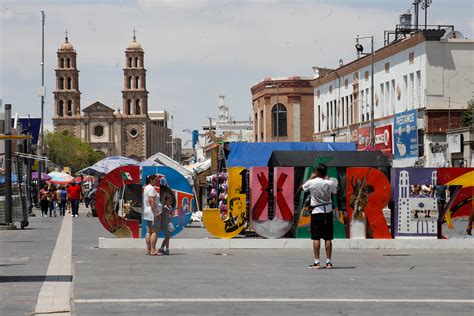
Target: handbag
171	227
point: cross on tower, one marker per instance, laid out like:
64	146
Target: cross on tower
134	31
66	36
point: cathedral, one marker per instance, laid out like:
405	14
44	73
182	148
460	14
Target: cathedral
133	131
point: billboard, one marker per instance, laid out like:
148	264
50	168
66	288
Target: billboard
383	139
405	135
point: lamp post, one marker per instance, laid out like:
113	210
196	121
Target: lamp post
360	51
42	92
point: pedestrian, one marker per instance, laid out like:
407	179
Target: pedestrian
52	198
44	203
62	200
74	196
320	188
166	223
152	209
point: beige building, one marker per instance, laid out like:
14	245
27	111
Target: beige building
131	131
283	110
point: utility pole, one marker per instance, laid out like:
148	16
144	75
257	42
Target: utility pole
372	125
278	115
43	92
8	165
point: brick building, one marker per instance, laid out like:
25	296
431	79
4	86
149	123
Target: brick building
283	110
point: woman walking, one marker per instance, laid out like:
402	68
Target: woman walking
62	200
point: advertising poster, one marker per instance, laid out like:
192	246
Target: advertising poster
383	139
405	135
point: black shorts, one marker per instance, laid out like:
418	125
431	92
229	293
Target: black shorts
322	226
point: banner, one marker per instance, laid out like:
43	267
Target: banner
383	139
405	135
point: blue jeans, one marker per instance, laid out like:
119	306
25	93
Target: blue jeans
62	207
75	207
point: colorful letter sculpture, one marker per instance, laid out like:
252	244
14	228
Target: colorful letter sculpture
368	192
454	217
416	213
232	223
109	202
179	187
283	201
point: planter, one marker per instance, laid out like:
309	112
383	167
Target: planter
358	229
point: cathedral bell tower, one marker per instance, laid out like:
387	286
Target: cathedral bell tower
67	97
134	94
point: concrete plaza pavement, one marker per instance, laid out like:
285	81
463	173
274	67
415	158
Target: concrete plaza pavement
232	281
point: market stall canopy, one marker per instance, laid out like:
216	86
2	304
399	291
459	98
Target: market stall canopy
199	167
60	177
339	158
108	164
257	154
163	160
44	176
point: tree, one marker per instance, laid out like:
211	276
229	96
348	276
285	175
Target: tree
466	115
67	150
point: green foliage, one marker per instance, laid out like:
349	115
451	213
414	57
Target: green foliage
466	115
67	150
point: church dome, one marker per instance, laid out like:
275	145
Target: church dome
67	46
134	45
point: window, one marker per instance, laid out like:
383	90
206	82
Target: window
327	114
99	131
61	83
387	67
418	88
405	91
128	110
351	117
346	83
330	89
130	62
68	63
129	86
61	108
412	91
137	107
318	93
319	118
330	117
366	75
347	110
341	103
387	97
393	96
279	120
61	65
136	62
362	103
133	133
411	57
69	83
137	81
382	104
69	108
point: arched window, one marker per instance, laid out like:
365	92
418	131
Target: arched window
130	62
137	107
137	81
136	62
61	108
130	82
61	64
61	83
129	107
68	63
69	108
69	83
279	120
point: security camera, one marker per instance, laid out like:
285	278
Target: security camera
359	48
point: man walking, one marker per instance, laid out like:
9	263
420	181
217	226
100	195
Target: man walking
320	189
74	193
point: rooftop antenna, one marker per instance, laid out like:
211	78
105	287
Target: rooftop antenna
424	6
416	4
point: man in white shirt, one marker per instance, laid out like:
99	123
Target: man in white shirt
152	209
320	189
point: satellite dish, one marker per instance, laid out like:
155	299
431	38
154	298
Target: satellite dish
454	35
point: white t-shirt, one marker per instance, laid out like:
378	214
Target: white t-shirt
320	191
147	210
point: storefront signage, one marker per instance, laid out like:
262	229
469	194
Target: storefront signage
405	135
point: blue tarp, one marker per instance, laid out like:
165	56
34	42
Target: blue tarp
257	154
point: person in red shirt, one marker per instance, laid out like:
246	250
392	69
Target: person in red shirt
74	193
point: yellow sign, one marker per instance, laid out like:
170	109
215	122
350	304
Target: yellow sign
230	223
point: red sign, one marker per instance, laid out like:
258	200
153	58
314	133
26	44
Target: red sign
383	138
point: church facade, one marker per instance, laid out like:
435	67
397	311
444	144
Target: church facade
129	131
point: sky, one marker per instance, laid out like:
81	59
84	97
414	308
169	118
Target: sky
195	50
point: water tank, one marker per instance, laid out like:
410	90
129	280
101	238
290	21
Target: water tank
405	21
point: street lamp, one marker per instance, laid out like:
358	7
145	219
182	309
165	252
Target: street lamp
42	92
360	51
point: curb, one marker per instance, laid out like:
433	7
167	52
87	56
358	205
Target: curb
181	243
